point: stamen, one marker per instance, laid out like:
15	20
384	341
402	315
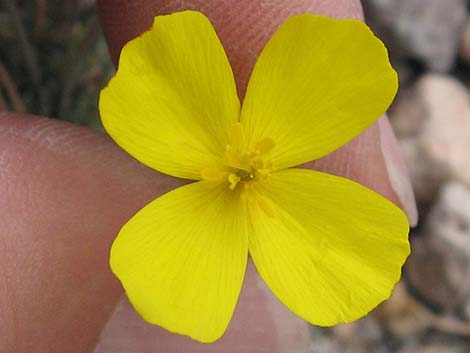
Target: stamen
263	173
232	157
268	164
264	146
233	179
236	136
236	160
243	165
257	164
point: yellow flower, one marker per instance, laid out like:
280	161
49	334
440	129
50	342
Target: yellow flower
330	249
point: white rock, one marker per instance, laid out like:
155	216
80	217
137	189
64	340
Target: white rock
445	133
432	120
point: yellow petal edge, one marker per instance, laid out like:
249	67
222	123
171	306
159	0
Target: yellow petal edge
179	272
318	83
173	98
330	249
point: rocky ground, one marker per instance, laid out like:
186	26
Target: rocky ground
429	312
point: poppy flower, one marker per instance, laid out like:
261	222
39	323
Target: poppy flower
328	248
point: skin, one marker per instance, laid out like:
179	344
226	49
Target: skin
66	191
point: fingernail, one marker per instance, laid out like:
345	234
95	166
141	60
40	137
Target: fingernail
260	323
397	170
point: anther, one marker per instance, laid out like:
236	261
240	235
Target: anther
233	179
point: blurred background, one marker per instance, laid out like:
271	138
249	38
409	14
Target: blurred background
54	61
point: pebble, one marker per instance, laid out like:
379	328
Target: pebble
349	338
426	176
409	111
432	122
445	134
465	42
466	310
399	314
428	349
438	268
428	31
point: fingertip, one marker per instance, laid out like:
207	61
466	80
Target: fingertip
260	322
65	192
243	26
397	171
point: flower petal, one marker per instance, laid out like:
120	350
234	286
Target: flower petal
330	249
182	259
173	98
317	84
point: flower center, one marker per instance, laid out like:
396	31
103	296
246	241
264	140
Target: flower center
242	165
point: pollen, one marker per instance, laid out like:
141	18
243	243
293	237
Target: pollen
241	164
